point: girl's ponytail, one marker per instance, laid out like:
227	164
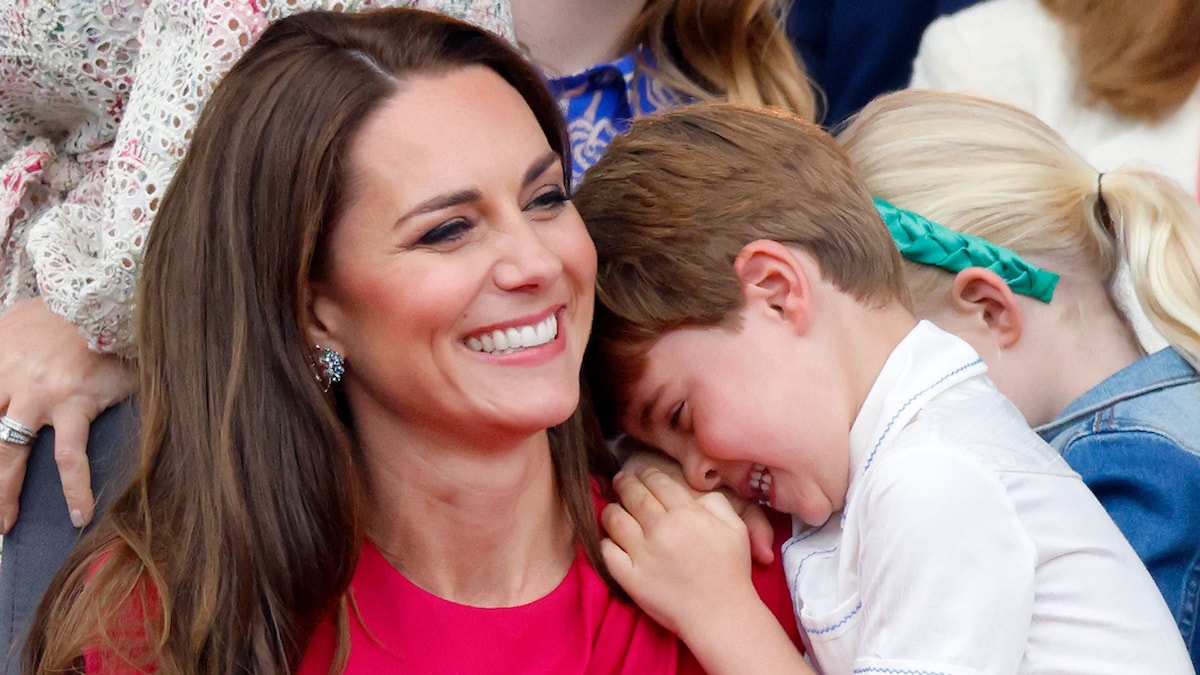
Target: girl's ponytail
1157	228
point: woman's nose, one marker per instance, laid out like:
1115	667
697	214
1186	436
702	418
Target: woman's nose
526	261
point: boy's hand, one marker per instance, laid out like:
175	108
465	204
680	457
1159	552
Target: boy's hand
683	558
639	457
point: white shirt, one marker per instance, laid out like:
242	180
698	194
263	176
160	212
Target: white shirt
967	545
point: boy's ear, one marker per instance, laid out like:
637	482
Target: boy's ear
772	275
981	292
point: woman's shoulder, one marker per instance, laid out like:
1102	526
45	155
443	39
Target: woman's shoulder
1012	50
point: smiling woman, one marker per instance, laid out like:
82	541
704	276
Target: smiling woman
391	187
438	255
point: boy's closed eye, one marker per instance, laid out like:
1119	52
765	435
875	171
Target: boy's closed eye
675	416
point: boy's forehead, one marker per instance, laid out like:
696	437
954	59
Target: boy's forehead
643	398
669	361
643	393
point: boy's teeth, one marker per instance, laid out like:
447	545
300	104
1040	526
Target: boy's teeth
511	339
760	480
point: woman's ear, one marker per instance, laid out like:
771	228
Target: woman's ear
322	320
774	278
981	292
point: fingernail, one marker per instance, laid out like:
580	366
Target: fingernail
618	476
77	518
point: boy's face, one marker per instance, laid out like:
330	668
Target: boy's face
746	409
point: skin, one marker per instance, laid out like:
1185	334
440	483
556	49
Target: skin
568	36
1080	336
48	376
458	225
719	400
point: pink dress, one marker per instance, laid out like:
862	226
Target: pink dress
579	627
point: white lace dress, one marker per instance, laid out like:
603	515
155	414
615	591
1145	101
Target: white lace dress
97	102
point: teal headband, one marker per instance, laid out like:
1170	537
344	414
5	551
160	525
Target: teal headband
924	241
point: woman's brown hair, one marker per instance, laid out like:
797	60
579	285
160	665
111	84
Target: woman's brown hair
242	527
731	49
1142	57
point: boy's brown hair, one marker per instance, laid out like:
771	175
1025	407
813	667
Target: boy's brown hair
672	203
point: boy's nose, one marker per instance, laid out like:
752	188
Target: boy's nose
701	473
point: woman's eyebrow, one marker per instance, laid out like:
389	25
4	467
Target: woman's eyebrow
444	201
539	167
440	202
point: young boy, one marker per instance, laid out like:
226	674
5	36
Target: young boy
753	324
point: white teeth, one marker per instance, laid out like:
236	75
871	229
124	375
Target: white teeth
511	339
760	481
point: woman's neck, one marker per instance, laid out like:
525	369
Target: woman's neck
483	529
567	36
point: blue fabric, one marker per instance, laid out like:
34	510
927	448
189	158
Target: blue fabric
857	49
600	103
1135	440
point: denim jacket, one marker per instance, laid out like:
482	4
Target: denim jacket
1135	440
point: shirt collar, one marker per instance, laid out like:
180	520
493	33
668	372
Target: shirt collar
924	364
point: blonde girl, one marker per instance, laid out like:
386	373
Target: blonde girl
1105	249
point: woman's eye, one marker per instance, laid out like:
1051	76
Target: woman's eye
675	415
446	232
551	199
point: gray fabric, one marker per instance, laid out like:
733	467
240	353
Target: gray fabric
43	535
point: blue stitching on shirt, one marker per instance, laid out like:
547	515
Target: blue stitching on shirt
871	457
800	565
802	536
837	625
898	670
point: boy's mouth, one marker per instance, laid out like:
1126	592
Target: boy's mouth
760	483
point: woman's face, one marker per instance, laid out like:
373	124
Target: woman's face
460	282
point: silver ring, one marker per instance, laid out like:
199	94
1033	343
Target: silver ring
12	431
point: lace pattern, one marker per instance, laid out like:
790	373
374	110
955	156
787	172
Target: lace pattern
97	101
